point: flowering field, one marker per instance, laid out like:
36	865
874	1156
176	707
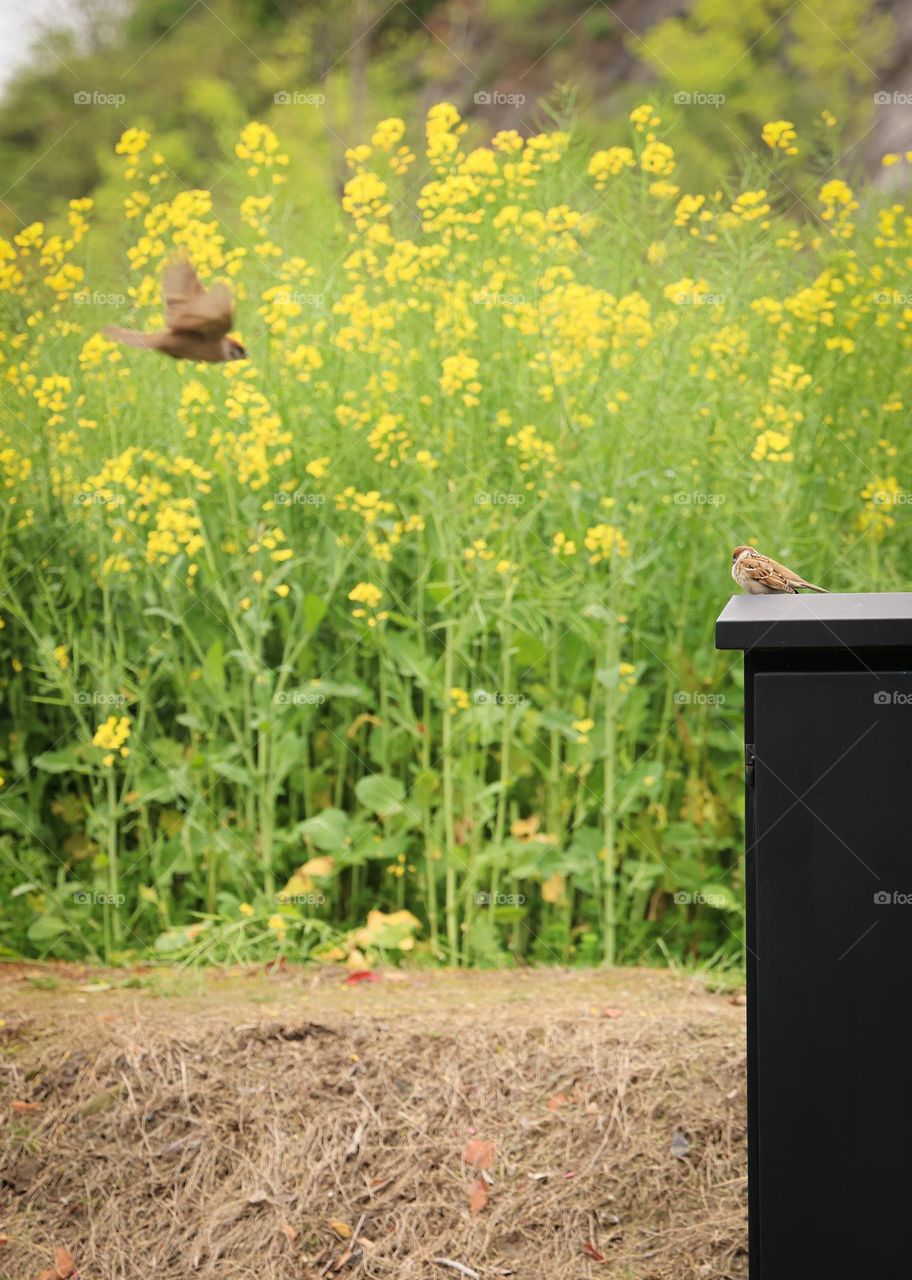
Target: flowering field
397	637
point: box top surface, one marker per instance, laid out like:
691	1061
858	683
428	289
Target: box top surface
861	620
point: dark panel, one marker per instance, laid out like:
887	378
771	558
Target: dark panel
838	621
831	1020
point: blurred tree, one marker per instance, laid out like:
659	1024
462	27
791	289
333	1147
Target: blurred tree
772	60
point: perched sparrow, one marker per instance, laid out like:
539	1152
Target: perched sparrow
760	576
197	320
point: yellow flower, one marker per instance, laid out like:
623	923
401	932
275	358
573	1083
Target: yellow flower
459	700
246	909
63	658
780	135
112	734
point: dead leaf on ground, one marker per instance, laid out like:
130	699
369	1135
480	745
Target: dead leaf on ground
478	1196
590	1251
479	1153
25	1108
289	1232
559	1100
612	1013
342	1229
64	1267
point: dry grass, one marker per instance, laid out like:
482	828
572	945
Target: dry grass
221	1131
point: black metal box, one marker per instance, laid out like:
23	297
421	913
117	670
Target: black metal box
828	772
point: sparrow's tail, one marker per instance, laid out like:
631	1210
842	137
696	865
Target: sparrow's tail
809	586
131	337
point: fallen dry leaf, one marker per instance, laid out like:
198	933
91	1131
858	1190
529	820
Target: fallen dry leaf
591	1252
612	1013
478	1196
4	1239
342	1229
559	1100
24	1108
64	1267
479	1153
288	1231
362	975
65	1263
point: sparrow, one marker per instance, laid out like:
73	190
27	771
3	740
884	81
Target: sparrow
197	320
760	576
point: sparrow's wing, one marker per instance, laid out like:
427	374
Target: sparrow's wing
768	573
794	578
189	308
133	337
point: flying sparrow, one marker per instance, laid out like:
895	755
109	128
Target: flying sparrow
196	320
760	576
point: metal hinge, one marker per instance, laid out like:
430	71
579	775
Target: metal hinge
750	761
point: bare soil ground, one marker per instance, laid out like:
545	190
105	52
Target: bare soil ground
289	1126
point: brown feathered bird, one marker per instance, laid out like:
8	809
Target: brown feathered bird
197	320
758	575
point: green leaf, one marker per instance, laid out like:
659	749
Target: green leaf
381	794
314	609
214	668
46	929
327	830
67	760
